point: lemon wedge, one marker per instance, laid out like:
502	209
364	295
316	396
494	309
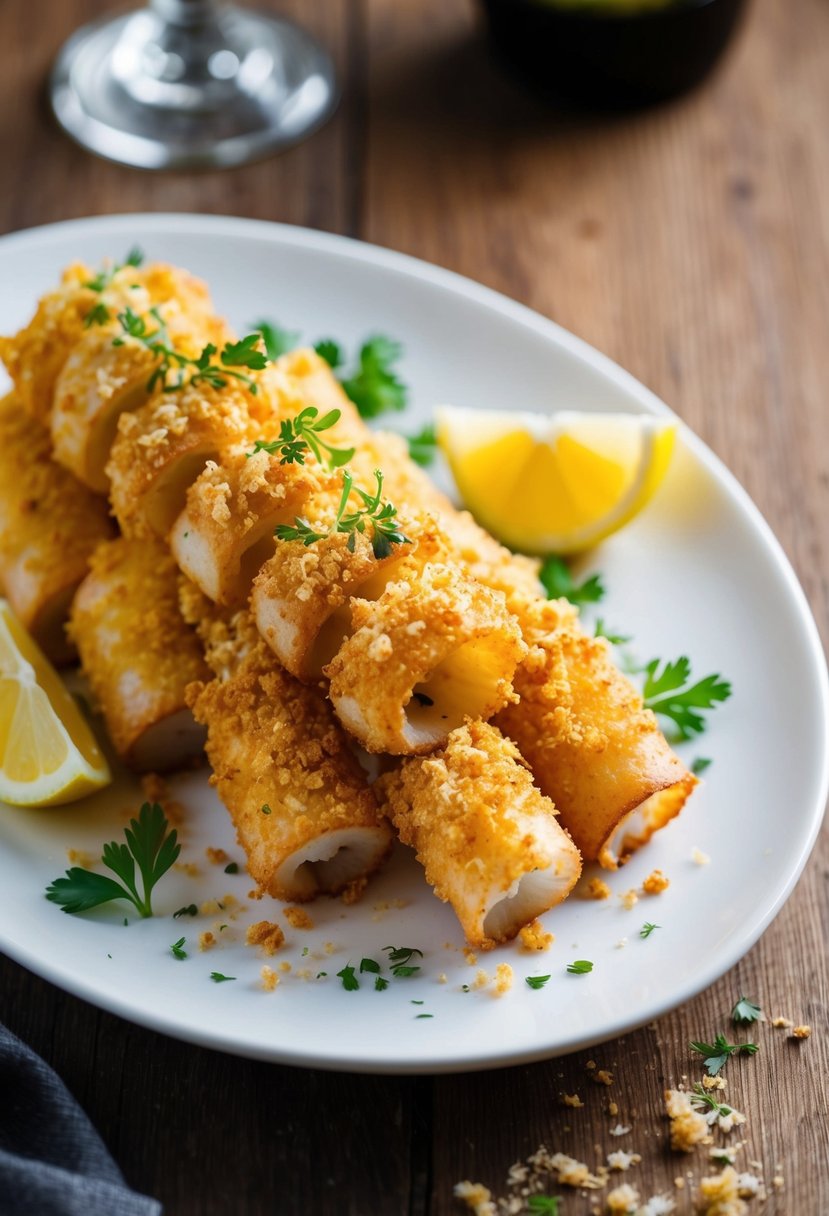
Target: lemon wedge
48	754
554	483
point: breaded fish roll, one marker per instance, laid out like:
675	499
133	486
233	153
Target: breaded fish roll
109	373
429	653
593	748
161	449
226	531
302	595
300	379
50	525
488	839
303	811
138	653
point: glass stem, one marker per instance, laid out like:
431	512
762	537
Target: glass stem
188	13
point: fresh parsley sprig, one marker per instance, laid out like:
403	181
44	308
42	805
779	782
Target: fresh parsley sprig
172	367
150	844
582	966
701	1099
559	583
303	434
536	981
106	274
400	959
424	445
718	1053
648	928
278	341
379	516
745	1012
669	692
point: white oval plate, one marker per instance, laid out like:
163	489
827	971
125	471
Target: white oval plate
699	573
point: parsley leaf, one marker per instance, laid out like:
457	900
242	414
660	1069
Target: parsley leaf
580	967
149	844
330	351
402	954
375	387
178	950
537	981
218	978
232	867
189	910
423	445
301	434
380	516
543	1205
647	929
703	1100
380	985
98	314
424	1015
745	1012
104	277
349	979
716	1054
669	692
558	582
369	964
615	639
278	341
699	764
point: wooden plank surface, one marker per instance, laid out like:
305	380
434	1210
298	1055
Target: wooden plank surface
692	245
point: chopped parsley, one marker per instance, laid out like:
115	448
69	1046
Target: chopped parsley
302	434
330	351
580	967
277	341
104	277
173	368
669	692
178	950
265	809
424	1015
558	582
699	764
717	1054
537	981
218	978
400	960
150	843
745	1012
379	516
647	929
615	639
232	867
349	979
543	1205
369	964
188	910
423	446
703	1100
380	984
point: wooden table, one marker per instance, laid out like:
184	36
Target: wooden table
692	245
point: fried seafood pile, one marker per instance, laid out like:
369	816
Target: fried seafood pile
284	584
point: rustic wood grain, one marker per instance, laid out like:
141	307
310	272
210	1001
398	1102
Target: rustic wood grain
690	243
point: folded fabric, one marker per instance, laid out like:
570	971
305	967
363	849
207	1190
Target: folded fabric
52	1161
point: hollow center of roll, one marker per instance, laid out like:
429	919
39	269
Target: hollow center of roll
166	500
337	627
464	685
533	895
331	861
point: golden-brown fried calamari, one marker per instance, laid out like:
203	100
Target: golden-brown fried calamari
139	654
487	838
50	525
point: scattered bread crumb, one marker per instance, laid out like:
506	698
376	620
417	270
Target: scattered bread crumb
265	934
688	1126
471	957
597	888
285	966
216	857
622	1200
534	937
801	1032
189	868
269	979
619	1129
571	1100
613	1109
477	1198
298	918
353	893
620	1160
503	978
629	899
713	1082
655	883
602	1077
481	979
442	978
781	1023
206	940
622	942
700	858
80	858
720	1194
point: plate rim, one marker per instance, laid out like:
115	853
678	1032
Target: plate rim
406	265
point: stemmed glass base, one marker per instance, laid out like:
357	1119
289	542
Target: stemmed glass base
191	84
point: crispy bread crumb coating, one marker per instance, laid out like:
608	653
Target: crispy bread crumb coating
305	379
108	373
225	532
50	525
487	838
592	746
161	448
299	800
430	652
301	596
138	653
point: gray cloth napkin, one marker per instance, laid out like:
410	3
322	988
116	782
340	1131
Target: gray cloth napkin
52	1161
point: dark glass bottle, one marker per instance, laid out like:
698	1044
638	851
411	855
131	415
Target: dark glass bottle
598	56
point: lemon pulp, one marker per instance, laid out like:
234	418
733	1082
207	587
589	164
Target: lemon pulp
48	754
555	483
